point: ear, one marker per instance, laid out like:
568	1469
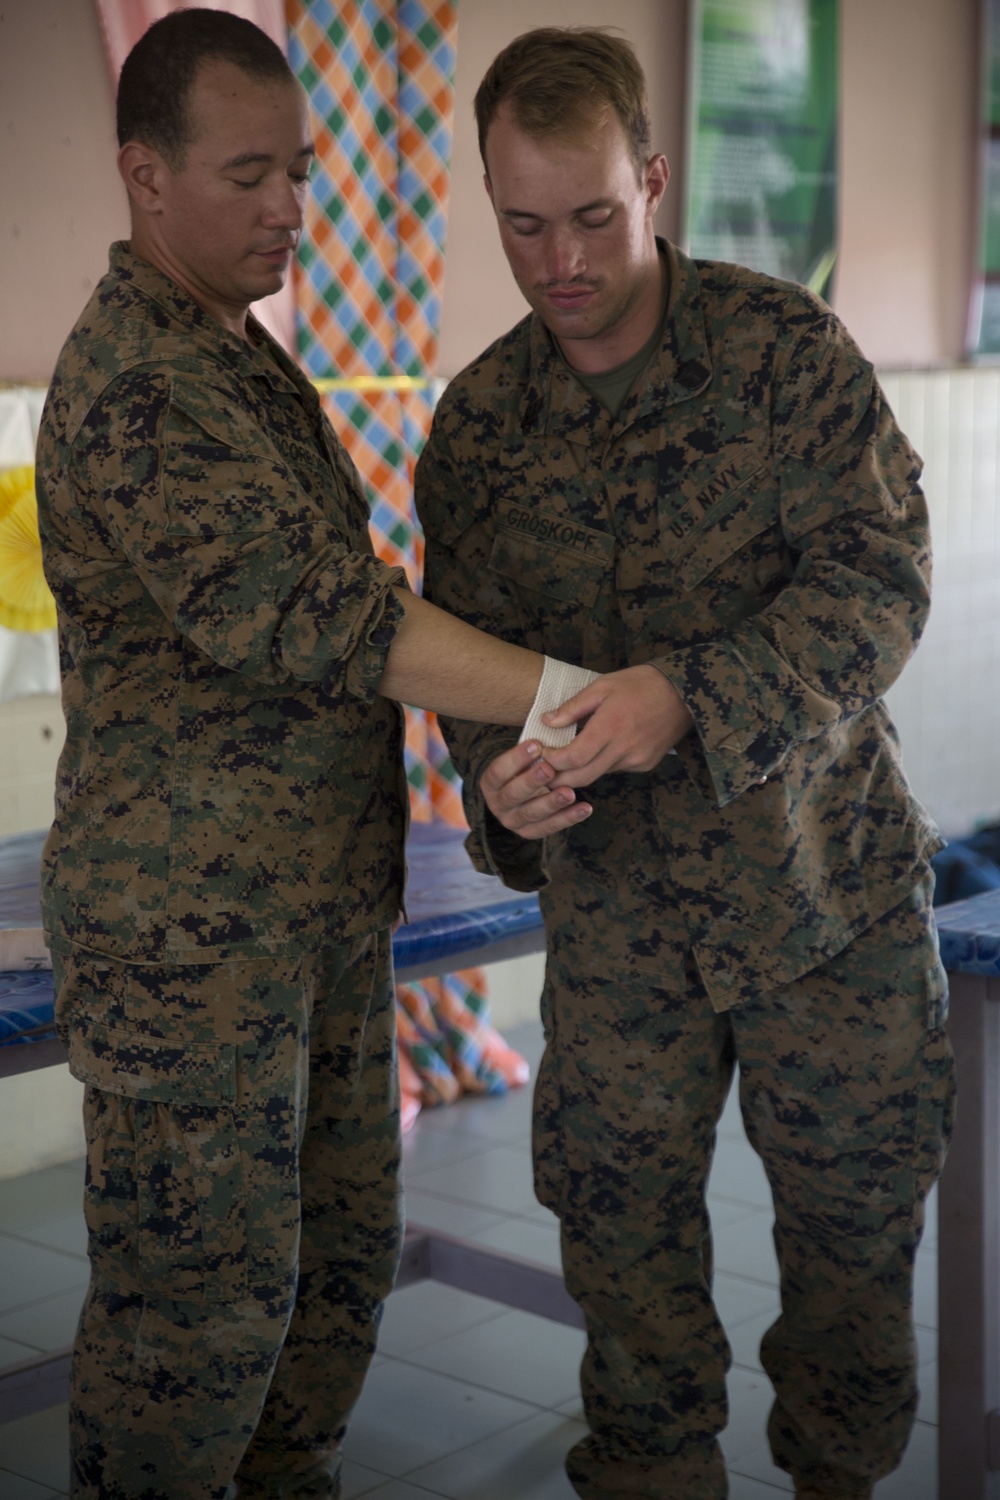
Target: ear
656	179
487	184
143	172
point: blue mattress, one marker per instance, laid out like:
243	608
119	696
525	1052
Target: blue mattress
455	913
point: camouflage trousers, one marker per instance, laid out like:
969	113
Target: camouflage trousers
243	1212
846	1088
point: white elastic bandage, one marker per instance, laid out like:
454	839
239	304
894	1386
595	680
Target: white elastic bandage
559	681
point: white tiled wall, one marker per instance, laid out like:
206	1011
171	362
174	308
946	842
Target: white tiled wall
947	703
41	1121
32	731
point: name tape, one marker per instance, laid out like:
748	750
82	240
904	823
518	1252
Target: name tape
549	529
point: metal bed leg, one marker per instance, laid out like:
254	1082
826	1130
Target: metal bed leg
969	1253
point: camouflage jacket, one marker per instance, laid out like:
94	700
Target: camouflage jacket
230	784
751	524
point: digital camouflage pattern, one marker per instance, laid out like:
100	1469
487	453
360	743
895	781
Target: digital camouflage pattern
846	1088
243	1208
230	783
224	865
751	524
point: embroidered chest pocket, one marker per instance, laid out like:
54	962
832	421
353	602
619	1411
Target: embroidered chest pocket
745	512
551	554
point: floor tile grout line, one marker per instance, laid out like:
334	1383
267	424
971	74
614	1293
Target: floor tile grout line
29	1349
16	1475
22	1307
22	1239
487	1437
504	1213
466	1328
475	1385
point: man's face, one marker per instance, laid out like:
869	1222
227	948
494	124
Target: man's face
576	227
229	218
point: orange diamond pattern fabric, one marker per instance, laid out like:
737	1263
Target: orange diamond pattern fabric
379	78
378	74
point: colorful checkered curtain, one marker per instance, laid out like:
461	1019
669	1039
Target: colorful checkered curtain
378	74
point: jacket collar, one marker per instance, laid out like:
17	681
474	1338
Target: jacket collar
555	403
188	317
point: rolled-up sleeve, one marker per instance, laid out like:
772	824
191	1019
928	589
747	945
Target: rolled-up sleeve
267	575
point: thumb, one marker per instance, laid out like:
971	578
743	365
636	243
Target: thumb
583	703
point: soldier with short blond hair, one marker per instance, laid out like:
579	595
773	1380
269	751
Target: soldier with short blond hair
685	476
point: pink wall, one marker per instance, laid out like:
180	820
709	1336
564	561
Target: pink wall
62	201
908	176
907	170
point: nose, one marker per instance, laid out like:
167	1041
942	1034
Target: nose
284	207
565	256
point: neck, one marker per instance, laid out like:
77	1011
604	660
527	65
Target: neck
148	247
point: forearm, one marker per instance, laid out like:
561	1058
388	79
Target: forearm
438	662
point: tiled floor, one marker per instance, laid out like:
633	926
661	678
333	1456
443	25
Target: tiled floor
466	1399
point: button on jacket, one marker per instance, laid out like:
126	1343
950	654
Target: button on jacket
751	524
230	784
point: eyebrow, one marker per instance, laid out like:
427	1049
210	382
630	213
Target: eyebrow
260	158
583	208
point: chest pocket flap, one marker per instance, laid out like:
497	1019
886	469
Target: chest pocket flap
219	473
747	509
551	554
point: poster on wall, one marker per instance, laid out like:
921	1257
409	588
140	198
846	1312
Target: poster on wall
761	180
984	329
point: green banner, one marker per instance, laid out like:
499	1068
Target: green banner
985	319
762	138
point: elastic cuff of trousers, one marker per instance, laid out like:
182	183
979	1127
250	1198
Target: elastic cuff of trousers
559	681
600	1470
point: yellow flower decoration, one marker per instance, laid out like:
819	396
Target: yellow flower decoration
25	600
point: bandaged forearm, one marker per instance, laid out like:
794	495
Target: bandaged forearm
559	681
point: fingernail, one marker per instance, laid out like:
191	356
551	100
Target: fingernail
533	749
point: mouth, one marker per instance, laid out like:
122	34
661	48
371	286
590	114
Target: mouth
279	256
569	298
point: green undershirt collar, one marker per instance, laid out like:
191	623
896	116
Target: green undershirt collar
612	387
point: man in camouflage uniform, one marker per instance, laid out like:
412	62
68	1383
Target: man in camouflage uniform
684	474
227	854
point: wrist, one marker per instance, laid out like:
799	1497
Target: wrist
559	680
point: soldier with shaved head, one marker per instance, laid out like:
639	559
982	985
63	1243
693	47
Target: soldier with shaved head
226	860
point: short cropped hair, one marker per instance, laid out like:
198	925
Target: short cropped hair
561	81
157	75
